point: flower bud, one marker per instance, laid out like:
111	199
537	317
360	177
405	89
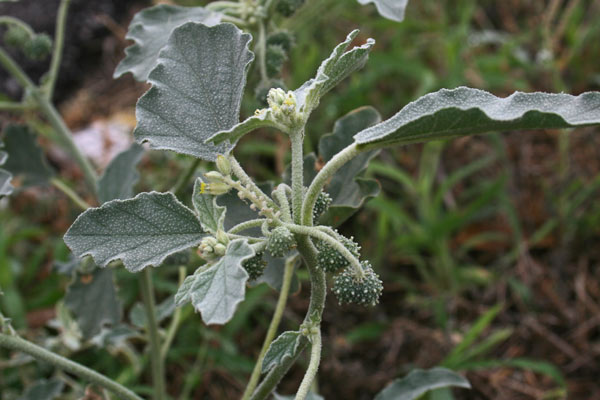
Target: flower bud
217	188
223	165
222	237
220	249
214	176
275	98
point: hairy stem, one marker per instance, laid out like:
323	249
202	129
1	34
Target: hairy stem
297	139
158	370
39	353
174	325
8	20
313	366
262	51
281	301
252	223
70	193
281	197
239	172
321	179
14	106
59	41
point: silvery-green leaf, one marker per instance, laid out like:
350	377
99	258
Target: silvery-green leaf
465	111
150	29
137	314
348	190
285	346
309	396
273	273
390	9
93	300
26	158
419	382
5	187
141	231
120	175
332	71
43	390
197	89
216	291
210	214
262	120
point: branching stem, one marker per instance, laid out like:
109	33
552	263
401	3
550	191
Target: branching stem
252	223
70	193
39	353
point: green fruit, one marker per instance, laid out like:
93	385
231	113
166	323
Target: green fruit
16	36
281	38
330	260
38	48
280	242
255	266
275	57
288	7
348	289
321	205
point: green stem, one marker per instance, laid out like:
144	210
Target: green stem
59	41
53	117
14	106
313	366
158	375
70	193
321	179
281	197
297	138
8	20
39	353
239	172
253	223
262	51
185	178
174	325
281	301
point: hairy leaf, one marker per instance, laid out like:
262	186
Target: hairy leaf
93	299
332	71
419	382
43	390
347	188
210	214
26	158
390	9
234	134
465	111
120	175
150	29
196	91
5	177
285	346
215	292
141	231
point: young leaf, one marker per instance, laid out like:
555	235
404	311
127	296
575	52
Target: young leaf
93	299
419	382
26	157
285	346
120	175
262	120
43	390
150	29
215	292
390	9
332	71
465	111
210	214
196	90
141	231
347	189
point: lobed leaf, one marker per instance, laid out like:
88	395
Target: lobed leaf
390	9
141	231
215	292
93	300
150	29
210	214
285	346
120	176
332	71
419	382
347	188
465	111
196	91
26	159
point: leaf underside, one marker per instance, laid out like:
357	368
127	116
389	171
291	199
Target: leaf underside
464	111
210	214
285	346
419	382
141	231
93	299
197	88
150	29
215	292
121	175
390	9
